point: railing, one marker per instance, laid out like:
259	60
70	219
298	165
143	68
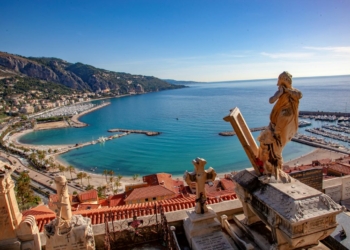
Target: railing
127	233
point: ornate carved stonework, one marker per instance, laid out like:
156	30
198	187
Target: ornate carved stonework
298	215
200	177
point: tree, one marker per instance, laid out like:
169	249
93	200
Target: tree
80	176
117	181
101	191
135	177
88	177
24	194
71	170
105	172
111	173
61	168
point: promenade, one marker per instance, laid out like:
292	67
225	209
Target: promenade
45	180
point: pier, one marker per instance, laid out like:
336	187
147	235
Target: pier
232	133
319	145
317	113
149	133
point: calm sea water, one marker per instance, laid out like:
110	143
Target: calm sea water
189	120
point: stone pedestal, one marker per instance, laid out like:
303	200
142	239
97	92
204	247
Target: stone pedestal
203	231
297	215
77	235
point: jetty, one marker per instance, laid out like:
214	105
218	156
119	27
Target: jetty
232	133
322	113
148	133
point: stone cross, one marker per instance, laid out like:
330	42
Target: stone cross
200	177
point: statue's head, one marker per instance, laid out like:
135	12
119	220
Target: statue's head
285	79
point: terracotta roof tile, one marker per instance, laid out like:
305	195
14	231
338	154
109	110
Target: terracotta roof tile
340	168
39	210
88	195
116	200
227	184
148	192
88	206
99	216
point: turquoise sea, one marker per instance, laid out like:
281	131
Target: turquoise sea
189	120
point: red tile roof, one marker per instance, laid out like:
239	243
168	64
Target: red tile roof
148	192
98	216
165	180
39	210
340	168
88	206
227	184
116	200
88	195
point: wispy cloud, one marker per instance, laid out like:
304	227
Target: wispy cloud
287	55
331	49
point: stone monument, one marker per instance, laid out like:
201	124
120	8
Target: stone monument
200	177
202	228
14	233
297	215
67	232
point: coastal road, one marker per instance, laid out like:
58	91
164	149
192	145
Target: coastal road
40	179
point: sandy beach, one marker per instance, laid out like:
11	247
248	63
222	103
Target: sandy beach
100	180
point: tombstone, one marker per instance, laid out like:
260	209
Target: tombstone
15	233
298	216
333	188
346	187
202	228
200	177
67	231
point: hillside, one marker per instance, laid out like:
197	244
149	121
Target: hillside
77	76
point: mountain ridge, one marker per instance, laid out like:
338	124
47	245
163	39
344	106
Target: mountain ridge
78	76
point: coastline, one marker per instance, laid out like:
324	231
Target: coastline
101	180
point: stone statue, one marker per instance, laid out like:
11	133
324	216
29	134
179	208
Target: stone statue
283	125
200	177
68	231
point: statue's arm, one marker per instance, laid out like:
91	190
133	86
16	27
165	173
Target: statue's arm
278	93
294	93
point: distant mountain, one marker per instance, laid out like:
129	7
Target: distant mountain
77	76
179	82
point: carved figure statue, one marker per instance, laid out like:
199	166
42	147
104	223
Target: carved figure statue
200	177
283	125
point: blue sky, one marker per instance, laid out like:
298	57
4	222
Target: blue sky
185	40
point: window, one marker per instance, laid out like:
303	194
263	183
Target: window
146	199
154	198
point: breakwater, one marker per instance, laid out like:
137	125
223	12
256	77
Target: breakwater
149	133
232	133
319	145
316	113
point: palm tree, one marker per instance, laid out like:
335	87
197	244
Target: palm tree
80	176
111	173
135	177
71	170
111	179
62	169
105	172
88	177
117	181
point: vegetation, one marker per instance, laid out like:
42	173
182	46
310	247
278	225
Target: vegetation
33	87
24	194
50	119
